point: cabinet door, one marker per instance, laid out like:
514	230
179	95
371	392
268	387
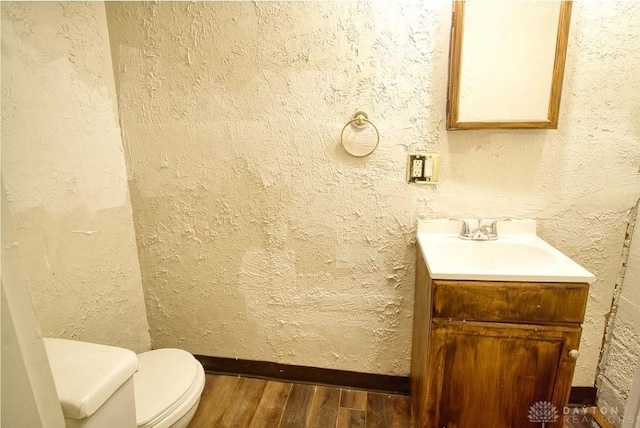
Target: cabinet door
489	375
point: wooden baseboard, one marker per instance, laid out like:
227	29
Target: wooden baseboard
600	419
583	396
580	395
304	374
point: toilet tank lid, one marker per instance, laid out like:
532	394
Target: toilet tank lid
87	374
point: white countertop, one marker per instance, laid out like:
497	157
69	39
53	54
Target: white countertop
517	255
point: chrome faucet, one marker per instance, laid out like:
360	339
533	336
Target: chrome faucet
482	232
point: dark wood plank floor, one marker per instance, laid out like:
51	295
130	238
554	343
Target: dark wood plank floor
579	418
230	401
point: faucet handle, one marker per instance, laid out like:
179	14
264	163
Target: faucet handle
494	224
465	225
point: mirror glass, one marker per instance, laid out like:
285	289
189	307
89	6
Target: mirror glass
507	63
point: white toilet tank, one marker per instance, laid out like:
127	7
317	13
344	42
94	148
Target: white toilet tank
94	383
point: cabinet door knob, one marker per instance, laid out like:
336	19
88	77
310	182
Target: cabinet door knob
574	353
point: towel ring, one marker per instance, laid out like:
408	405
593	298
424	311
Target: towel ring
359	120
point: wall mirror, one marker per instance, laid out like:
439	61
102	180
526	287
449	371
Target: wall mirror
506	63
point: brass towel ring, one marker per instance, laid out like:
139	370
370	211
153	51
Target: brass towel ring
359	120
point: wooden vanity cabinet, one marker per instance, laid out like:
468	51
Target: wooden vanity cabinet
485	352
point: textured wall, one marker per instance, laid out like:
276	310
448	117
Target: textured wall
260	238
27	389
622	350
64	171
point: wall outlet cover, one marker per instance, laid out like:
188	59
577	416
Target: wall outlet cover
423	168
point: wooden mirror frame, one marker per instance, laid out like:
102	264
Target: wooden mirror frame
455	59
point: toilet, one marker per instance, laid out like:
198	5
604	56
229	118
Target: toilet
102	386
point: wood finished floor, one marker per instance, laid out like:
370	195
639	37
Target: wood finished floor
231	401
579	419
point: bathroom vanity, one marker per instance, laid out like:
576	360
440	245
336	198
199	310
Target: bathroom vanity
496	328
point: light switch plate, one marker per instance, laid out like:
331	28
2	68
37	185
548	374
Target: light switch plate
423	168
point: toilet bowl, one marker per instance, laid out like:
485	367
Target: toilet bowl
103	386
167	388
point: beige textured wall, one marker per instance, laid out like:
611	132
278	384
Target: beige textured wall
64	171
622	350
28	393
261	239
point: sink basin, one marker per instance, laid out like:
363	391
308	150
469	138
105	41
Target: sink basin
518	255
495	255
